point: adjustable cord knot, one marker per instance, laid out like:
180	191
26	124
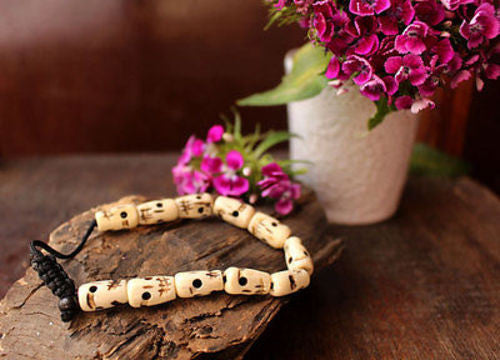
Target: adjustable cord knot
53	275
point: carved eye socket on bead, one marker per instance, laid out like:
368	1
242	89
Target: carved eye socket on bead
200	210
123	214
235	213
159	205
93	289
242	281
146	295
198	197
274	224
197	283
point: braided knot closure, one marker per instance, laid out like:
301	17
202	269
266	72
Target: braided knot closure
58	281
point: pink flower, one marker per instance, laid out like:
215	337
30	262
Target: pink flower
194	147
374	88
215	134
429	86
403	102
323	13
280	4
429	11
368	7
410	67
454	4
211	165
357	65
443	50
189	181
421	104
492	71
401	10
391	84
333	69
363	31
230	183
342	39
412	39
461	76
484	25
277	185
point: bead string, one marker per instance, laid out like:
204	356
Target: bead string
158	289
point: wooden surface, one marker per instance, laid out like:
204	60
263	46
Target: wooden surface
423	285
219	325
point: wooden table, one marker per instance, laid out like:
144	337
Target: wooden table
423	285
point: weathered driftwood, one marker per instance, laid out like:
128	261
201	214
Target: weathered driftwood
218	326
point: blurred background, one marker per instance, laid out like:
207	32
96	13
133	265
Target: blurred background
141	76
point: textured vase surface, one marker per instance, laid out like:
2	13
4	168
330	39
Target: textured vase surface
358	175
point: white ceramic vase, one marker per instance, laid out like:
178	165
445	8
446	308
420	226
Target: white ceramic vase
357	175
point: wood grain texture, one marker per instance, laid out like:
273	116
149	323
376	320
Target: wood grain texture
220	325
423	285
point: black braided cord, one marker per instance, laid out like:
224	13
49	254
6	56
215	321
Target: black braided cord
53	275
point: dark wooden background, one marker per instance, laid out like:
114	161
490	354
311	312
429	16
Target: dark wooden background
131	76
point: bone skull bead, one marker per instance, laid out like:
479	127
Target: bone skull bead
158	289
198	283
117	218
150	290
297	256
288	281
269	230
194	206
157	211
246	281
104	294
233	211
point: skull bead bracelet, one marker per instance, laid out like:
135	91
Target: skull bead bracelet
158	289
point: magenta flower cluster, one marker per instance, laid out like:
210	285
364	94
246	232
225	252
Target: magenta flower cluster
404	49
216	164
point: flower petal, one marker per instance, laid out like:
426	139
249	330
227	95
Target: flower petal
215	133
403	102
392	64
211	165
234	160
333	68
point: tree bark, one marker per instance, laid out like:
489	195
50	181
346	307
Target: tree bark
217	326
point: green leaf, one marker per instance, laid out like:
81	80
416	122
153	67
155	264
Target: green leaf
304	81
382	110
271	139
426	160
274	15
237	124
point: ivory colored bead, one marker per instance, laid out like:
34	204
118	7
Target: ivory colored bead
269	230
157	211
246	281
297	256
233	211
194	206
198	283
288	281
150	290
104	294
117	218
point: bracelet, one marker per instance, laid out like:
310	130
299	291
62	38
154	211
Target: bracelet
158	289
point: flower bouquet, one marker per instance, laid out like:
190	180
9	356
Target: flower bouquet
353	90
397	52
231	164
